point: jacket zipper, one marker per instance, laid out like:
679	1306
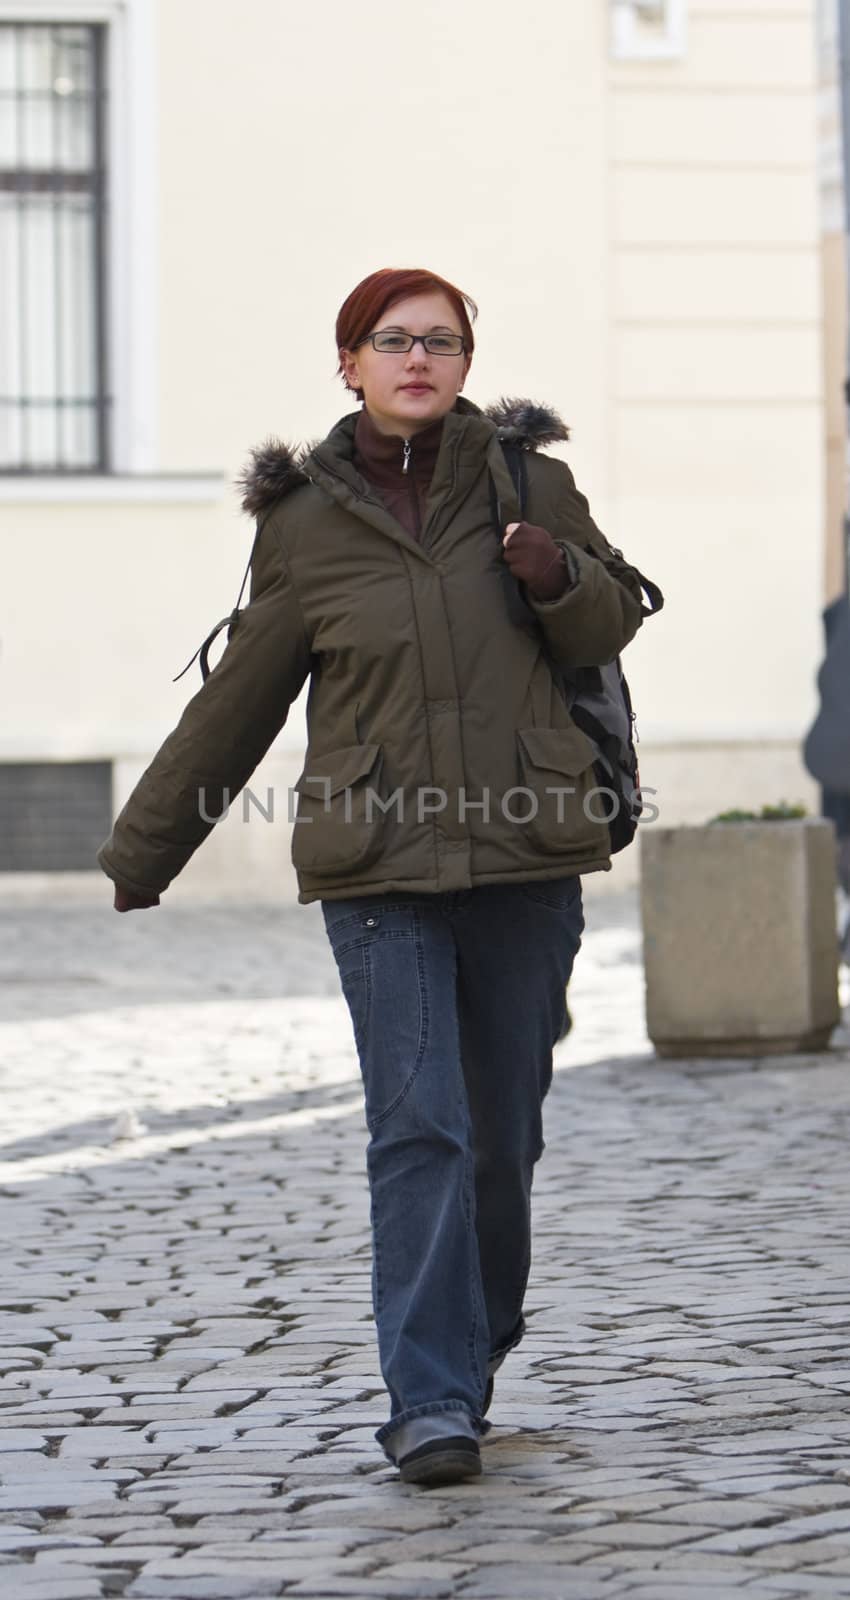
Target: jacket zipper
411	485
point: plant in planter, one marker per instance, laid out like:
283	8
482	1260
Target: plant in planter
740	939
781	813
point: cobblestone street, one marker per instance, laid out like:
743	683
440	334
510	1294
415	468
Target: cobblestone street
190	1385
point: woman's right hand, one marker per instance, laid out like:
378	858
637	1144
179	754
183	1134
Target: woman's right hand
125	901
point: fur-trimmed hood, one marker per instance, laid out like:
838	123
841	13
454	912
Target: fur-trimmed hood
274	468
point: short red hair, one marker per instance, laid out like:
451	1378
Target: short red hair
374	295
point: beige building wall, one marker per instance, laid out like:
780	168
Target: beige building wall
643	240
716	399
834	292
833	272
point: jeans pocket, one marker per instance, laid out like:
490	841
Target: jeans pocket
356	994
380	962
559	894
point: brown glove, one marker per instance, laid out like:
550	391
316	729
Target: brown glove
536	560
125	901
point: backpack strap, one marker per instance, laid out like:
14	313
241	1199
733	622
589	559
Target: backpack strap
508	484
653	593
515	460
508	496
228	622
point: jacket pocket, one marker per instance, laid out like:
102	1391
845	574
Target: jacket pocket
337	823
569	815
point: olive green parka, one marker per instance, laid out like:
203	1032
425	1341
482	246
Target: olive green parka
440	754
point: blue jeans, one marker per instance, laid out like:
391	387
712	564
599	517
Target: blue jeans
456	1001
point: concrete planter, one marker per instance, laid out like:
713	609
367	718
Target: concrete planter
740	940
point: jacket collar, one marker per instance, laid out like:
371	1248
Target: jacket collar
338	450
380	456
275	468
467	435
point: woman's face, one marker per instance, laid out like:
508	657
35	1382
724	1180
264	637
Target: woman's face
406	392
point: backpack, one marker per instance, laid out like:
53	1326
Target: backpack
597	698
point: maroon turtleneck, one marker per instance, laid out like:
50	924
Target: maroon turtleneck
380	458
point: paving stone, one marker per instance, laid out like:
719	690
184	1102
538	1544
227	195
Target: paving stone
30	1541
514	1581
798	1556
55	1497
327	1588
817	1496
788	1530
757	1483
20	1584
628	1504
662	1587
412	1571
813	1583
207	1587
691	1513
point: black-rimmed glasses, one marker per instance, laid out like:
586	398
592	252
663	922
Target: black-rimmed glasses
393	342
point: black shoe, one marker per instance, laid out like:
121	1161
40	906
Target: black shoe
447	1460
488	1395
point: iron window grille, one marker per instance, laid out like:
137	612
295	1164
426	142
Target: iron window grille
54	404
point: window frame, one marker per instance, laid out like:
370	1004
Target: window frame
129	304
93	182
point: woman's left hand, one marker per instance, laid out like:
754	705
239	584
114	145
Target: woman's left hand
125	901
535	560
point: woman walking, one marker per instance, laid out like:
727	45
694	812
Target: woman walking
443	818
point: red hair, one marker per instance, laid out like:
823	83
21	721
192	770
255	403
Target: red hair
374	295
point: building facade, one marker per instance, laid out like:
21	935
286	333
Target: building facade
632	192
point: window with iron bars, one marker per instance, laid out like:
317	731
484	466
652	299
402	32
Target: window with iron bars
54	401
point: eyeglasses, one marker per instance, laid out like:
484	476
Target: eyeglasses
392	342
